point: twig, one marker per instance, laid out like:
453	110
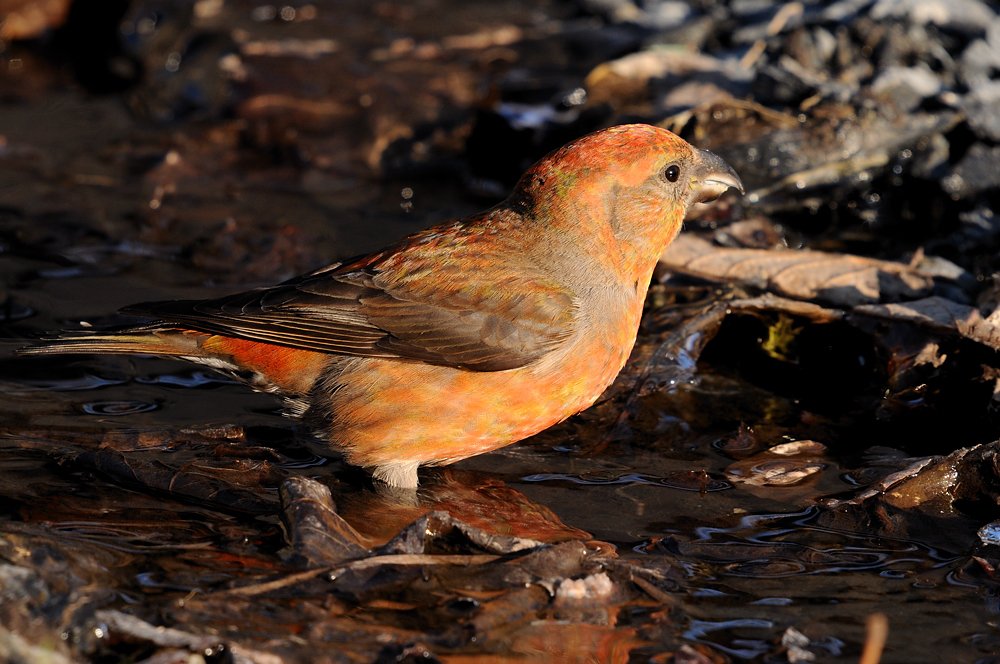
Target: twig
364	563
777	24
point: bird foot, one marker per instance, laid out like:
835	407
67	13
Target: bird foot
402	474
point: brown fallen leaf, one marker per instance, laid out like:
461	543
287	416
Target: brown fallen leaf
626	80
938	315
785	465
421	535
229	484
839	279
319	537
768	302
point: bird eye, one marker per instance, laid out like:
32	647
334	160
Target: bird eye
672	173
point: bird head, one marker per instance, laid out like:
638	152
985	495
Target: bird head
622	193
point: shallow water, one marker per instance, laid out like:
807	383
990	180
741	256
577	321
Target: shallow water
744	563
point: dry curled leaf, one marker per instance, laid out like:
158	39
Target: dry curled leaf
317	534
938	315
839	279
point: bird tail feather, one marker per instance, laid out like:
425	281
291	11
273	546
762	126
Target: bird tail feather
146	343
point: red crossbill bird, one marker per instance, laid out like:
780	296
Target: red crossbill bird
464	337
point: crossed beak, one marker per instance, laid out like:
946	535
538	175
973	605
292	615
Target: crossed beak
712	177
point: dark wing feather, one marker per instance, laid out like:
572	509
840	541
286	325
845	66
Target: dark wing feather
418	309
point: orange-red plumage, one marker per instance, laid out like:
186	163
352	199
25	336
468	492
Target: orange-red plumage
467	336
290	370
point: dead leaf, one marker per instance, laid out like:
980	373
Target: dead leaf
938	315
422	535
627	79
786	465
769	302
317	534
220	484
839	279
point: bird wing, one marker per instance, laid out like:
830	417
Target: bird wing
444	301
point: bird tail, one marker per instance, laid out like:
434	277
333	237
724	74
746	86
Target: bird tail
116	343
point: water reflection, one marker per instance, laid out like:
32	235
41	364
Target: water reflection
685	481
474	498
118	407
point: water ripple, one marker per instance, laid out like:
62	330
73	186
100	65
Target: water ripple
118	407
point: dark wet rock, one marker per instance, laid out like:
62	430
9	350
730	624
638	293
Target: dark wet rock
928	159
979	229
845	10
31	617
662	14
559	561
836	145
663	366
967	16
980	109
930	500
547	566
785	84
907	87
981	59
978	172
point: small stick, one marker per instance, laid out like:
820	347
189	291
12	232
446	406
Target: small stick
776	25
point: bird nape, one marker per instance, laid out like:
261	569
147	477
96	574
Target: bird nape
464	337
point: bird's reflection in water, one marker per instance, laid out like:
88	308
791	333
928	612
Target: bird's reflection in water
478	499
